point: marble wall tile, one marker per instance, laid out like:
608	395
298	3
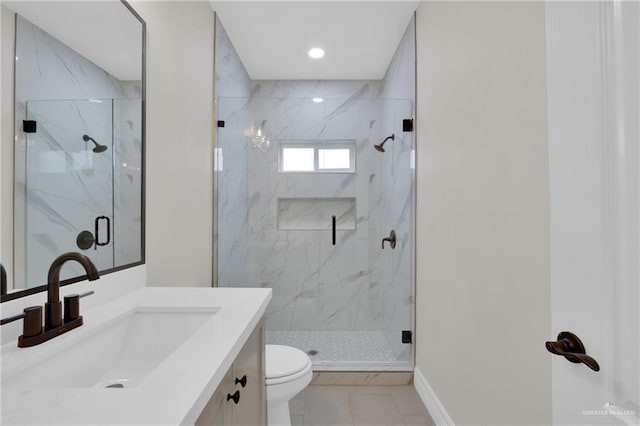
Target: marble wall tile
316	213
308	89
231	235
231	79
232	201
316	285
49	70
127	176
68	184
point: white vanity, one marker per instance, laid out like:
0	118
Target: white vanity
154	356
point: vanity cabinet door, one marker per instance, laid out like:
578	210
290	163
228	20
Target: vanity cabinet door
248	368
214	413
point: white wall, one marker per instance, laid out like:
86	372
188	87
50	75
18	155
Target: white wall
483	309
178	141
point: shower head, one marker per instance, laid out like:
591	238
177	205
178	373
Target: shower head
99	148
380	147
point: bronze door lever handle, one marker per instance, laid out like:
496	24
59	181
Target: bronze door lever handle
571	347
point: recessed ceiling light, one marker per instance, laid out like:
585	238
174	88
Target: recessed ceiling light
316	53
317	100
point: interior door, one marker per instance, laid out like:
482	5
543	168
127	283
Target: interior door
69	185
593	90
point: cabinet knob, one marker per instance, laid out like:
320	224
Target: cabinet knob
242	381
235	397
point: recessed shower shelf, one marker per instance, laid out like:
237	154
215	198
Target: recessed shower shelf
316	213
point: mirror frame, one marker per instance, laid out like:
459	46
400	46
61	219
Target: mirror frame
29	291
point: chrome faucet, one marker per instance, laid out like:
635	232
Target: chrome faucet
32	331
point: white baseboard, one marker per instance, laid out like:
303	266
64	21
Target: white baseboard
430	399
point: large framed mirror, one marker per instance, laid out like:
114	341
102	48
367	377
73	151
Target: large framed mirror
76	143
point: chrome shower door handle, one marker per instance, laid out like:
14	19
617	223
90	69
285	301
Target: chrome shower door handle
391	238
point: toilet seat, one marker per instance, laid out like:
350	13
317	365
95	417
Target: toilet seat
284	364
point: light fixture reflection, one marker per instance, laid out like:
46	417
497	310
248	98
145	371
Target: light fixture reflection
257	136
316	53
317	100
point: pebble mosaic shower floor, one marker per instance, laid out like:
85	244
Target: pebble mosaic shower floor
339	348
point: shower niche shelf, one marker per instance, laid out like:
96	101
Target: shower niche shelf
316	213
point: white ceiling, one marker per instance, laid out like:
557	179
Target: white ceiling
105	32
273	37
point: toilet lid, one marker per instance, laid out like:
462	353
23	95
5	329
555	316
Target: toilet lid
281	361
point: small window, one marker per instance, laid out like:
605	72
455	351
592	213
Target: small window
297	159
334	158
317	156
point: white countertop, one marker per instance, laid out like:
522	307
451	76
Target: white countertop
177	390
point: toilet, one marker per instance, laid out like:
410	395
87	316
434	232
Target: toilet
288	371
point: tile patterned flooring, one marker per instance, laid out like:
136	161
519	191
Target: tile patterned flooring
358	406
341	347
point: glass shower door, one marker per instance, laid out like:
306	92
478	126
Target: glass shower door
396	224
68	185
366	297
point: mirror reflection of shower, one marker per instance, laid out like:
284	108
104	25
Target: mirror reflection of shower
99	148
257	136
380	147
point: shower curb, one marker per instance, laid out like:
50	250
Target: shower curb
362	378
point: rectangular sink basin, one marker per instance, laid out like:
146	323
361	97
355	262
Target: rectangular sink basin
120	353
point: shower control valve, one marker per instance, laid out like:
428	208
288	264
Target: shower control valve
391	239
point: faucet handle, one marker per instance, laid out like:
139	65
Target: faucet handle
32	324
72	306
12	318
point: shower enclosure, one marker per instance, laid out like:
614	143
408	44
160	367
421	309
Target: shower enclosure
73	179
303	202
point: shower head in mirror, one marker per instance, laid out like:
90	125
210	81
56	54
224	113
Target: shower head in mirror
99	148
